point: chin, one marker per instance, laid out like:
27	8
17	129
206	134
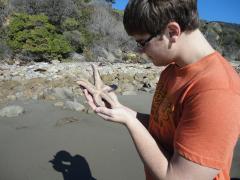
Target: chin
159	63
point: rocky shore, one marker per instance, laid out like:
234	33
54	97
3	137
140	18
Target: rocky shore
56	81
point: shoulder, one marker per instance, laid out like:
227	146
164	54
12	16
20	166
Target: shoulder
218	74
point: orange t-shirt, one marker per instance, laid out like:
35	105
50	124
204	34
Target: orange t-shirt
195	110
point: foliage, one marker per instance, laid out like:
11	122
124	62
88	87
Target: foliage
4	10
35	35
106	25
70	24
56	10
238	39
76	32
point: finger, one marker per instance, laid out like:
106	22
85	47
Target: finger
105	111
107	98
88	96
98	100
104	116
89	100
97	79
87	85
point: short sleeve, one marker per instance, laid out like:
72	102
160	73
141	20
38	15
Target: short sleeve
209	128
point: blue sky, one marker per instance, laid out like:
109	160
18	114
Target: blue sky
211	10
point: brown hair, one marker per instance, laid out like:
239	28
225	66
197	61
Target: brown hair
152	16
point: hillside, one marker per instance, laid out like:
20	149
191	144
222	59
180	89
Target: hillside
83	30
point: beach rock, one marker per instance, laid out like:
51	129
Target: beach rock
11	97
59	104
118	53
127	87
11	111
77	57
63	93
128	93
74	106
89	110
237	68
55	62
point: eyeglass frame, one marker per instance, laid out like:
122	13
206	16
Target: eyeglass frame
143	44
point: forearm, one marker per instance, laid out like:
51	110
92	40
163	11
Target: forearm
148	149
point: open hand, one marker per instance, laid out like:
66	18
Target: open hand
118	113
104	101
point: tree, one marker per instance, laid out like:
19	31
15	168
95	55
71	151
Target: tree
56	10
33	35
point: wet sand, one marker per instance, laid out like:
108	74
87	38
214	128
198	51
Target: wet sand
51	143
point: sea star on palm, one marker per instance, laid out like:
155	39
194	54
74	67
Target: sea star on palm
98	90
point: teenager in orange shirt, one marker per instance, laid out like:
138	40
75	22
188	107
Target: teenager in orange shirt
195	119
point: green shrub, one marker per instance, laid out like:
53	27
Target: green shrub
33	34
238	39
76	40
70	24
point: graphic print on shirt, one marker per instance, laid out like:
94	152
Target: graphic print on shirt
161	121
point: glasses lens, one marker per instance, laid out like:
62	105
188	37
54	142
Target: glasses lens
141	44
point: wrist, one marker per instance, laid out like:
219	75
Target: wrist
130	122
132	112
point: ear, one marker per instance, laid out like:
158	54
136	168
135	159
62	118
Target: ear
174	31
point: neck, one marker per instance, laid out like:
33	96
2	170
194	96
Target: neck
192	47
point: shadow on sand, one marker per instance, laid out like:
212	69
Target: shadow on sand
71	167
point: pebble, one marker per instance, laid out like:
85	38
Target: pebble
59	104
74	106
11	111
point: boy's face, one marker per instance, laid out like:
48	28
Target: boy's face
158	48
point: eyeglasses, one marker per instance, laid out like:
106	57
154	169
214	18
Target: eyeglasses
142	43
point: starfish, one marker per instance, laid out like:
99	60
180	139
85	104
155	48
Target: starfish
99	90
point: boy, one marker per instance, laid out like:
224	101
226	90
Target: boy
195	119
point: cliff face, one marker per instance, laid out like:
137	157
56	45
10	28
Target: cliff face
224	37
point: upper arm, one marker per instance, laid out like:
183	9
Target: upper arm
181	168
206	135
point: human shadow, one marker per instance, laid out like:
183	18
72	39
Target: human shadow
71	167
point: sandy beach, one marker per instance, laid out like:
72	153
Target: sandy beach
50	143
